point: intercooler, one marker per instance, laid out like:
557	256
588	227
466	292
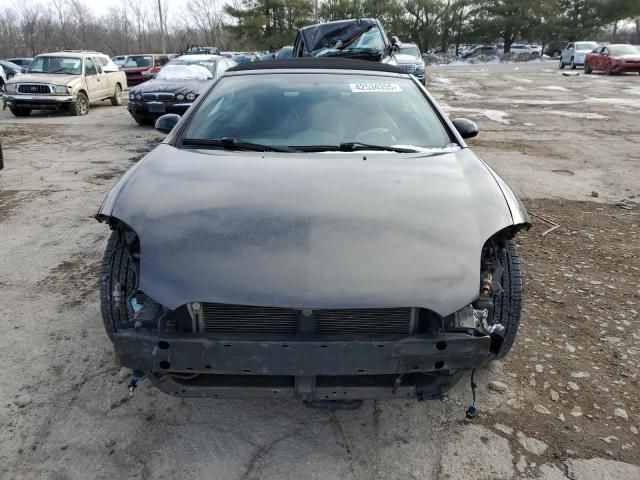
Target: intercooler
219	318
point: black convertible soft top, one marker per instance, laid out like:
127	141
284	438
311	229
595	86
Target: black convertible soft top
318	63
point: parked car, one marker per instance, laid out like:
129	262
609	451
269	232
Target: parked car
68	80
140	68
535	49
480	50
613	59
197	50
284	53
575	53
362	39
23	62
410	60
119	60
241	57
175	87
554	49
312	229
11	69
3	80
520	49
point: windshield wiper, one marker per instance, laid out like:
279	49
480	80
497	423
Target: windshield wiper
353	147
353	52
60	70
230	143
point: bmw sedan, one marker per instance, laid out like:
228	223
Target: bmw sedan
175	87
311	229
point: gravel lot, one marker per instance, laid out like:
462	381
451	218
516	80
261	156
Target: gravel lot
567	405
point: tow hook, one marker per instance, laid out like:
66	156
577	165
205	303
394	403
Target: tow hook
133	384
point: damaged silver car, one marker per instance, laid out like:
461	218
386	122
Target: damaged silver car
313	229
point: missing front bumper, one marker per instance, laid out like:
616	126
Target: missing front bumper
197	365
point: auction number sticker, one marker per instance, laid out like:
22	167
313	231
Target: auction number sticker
367	87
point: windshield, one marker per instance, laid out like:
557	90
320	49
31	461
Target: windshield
298	110
178	72
370	39
62	65
410	50
586	45
209	65
624	50
138	61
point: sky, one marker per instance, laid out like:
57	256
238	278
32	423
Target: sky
98	7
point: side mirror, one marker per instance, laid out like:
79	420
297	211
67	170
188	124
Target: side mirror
395	43
466	128
166	122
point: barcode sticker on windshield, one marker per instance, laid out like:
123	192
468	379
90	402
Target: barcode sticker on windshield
375	87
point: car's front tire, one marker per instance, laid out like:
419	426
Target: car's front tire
508	305
561	65
118	282
573	65
587	68
608	70
80	106
117	96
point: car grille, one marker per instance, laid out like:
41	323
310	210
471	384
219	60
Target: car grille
251	320
34	88
158	97
408	67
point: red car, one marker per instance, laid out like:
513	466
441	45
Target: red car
142	67
613	59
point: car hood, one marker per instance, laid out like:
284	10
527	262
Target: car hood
49	79
402	58
325	230
184	86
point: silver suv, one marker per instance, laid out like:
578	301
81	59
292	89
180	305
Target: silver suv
575	53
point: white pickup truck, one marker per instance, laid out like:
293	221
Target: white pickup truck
68	80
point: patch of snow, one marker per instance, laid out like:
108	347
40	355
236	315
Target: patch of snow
584	115
619	102
518	79
555	87
441	80
493	115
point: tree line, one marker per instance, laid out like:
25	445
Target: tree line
134	27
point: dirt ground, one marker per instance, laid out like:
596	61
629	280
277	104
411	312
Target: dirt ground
568	407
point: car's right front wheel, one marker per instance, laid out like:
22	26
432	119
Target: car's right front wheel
80	106
508	305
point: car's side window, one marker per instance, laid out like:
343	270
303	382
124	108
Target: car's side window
89	67
96	62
